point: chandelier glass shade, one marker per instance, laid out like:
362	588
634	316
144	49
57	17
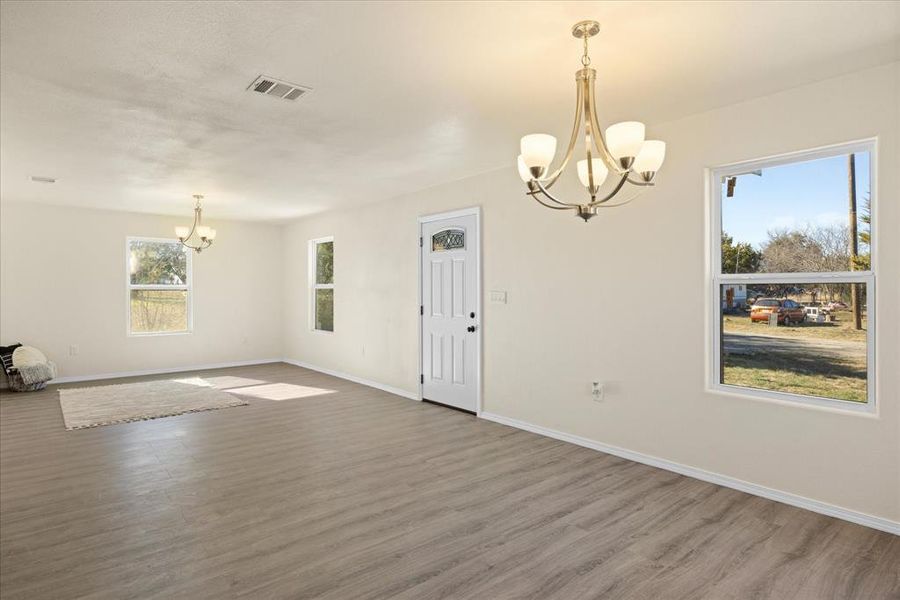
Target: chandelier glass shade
621	153
198	236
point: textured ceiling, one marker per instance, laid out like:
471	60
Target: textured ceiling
135	106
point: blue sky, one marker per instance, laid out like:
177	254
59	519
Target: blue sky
792	196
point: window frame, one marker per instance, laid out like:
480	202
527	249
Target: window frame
189	288
716	279
312	252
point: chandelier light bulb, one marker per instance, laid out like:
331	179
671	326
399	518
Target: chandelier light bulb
650	158
211	235
182	232
624	140
524	173
203	232
538	150
599	169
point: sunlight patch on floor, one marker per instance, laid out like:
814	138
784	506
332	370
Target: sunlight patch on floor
281	391
223	382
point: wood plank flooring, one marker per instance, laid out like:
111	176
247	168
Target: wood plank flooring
357	493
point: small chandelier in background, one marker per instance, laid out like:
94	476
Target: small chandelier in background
205	234
623	150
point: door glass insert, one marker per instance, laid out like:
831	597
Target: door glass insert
448	239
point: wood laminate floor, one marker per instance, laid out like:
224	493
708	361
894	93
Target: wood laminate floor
356	493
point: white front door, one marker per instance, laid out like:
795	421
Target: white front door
450	319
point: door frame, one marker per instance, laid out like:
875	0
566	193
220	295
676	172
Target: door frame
420	221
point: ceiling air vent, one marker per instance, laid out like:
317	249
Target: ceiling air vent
277	88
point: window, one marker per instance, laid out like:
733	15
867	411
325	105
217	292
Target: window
159	287
793	277
448	239
321	270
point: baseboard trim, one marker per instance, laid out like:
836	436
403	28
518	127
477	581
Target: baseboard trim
373	384
118	375
830	510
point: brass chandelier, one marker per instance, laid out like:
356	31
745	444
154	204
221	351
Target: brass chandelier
622	150
205	234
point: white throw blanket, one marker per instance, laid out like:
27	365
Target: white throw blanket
37	373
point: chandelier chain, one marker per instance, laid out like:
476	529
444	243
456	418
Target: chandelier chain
585	59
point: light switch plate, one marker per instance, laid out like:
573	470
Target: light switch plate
498	296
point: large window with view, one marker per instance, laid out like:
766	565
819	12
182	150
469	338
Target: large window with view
321	271
159	287
793	279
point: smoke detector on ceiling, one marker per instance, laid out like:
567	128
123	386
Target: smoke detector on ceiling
278	88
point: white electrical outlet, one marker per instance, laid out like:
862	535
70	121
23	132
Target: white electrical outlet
597	391
73	350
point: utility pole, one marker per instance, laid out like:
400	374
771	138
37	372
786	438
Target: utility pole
854	243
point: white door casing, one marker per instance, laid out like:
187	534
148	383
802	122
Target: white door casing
450	311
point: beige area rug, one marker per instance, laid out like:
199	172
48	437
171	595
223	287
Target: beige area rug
110	404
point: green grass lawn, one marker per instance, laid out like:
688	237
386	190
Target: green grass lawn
768	372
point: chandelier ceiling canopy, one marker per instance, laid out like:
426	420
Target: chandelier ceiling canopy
622	151
204	235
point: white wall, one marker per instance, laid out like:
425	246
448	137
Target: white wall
585	304
62	283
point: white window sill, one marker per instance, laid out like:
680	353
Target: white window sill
159	334
843	407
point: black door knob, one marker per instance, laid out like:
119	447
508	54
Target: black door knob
471	315
470	328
